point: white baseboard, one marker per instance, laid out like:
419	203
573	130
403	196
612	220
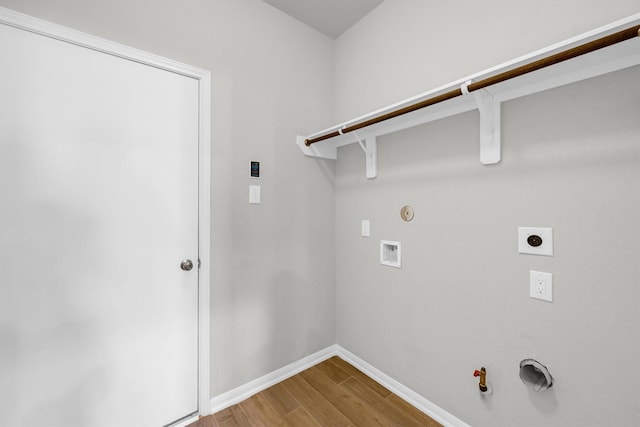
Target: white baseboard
243	392
424	405
187	421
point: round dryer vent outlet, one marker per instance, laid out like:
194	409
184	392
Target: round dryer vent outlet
406	213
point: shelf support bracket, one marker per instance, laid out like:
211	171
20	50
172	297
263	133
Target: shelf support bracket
370	148
489	110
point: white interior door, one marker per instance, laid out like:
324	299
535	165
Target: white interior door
98	207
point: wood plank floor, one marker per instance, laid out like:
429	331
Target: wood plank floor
332	393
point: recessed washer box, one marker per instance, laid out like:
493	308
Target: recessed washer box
390	253
535	240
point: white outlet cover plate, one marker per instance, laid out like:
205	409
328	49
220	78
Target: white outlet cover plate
366	228
254	194
541	285
546	248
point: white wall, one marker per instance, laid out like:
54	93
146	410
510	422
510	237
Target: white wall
273	294
570	161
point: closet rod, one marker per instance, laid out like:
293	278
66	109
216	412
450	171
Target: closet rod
589	47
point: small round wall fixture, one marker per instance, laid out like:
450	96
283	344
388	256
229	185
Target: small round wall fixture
406	213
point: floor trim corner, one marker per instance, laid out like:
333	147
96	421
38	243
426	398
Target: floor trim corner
245	391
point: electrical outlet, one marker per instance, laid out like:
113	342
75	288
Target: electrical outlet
535	240
541	285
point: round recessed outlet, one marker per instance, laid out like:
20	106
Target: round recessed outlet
534	240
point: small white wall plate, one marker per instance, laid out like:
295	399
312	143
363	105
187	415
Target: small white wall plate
529	244
366	228
541	285
254	194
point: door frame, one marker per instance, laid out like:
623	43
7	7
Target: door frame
51	30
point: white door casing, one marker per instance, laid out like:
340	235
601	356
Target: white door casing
104	189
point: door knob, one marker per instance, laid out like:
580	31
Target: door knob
186	265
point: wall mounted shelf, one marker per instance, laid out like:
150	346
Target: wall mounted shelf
617	46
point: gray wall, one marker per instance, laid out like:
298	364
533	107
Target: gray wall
570	161
273	293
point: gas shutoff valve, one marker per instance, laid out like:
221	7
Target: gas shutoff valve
482	373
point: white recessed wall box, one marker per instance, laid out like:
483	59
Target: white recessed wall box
390	253
535	240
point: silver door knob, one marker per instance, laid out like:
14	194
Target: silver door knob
186	265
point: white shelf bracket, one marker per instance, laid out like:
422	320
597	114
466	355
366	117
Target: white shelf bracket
489	127
489	110
370	148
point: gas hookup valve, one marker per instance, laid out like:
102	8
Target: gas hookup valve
483	385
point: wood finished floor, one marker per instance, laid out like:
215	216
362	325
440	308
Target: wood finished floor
330	394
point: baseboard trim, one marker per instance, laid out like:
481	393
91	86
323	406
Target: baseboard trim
245	391
424	405
187	421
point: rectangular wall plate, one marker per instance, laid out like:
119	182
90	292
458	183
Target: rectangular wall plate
254	194
541	285
535	240
366	228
